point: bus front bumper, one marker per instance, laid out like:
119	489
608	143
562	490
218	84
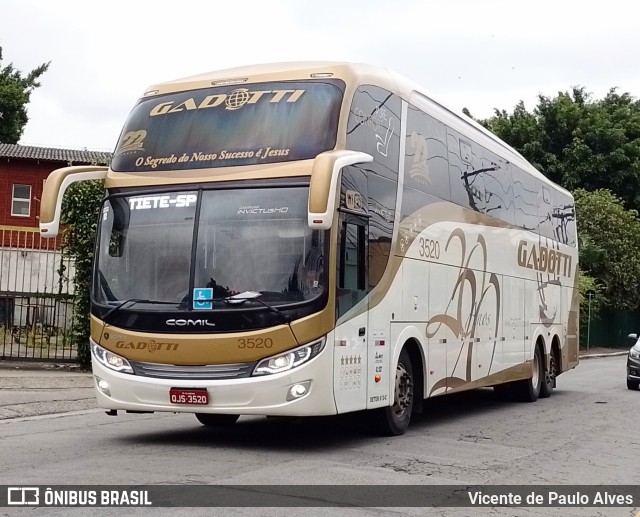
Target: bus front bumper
260	395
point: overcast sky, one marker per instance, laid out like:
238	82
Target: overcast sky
479	54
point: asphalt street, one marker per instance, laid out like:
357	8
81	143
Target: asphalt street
28	390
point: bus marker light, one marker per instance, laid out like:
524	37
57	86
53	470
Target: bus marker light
377	378
342	342
227	82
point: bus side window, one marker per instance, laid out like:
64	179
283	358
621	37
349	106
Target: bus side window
351	267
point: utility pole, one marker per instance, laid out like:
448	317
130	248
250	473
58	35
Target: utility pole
590	294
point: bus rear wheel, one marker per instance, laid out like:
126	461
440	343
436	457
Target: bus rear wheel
394	420
528	390
212	420
549	379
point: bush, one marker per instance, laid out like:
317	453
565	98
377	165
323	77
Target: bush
80	216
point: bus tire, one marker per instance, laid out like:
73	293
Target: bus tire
528	390
213	420
549	379
394	420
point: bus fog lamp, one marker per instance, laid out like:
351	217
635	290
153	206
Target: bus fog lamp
103	386
298	390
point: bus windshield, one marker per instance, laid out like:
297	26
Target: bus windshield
229	126
238	241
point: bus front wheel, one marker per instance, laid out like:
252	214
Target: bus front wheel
394	420
211	420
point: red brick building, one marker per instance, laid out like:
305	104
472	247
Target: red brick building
32	290
23	171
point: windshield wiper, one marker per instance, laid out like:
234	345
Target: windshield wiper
255	297
133	301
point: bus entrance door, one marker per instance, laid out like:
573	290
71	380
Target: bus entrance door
351	333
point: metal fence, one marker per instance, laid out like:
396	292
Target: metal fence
36	297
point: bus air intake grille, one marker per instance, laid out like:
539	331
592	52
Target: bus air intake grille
208	372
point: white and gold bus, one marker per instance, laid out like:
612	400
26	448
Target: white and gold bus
320	238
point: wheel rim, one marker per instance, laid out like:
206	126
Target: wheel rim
404	391
536	369
551	374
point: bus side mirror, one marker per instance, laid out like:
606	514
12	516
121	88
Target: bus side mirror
54	188
632	338
324	184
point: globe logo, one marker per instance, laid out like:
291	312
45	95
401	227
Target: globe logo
237	99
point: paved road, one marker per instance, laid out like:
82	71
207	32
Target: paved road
583	434
26	391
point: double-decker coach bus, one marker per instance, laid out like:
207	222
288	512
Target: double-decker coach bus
320	238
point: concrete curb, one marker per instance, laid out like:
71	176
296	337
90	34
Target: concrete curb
594	356
40	365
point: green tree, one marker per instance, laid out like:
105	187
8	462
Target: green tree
578	142
80	208
522	131
609	238
15	93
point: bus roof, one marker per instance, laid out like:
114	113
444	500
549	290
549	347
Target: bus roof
353	74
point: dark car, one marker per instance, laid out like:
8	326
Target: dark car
633	364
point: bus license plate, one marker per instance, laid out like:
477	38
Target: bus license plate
196	397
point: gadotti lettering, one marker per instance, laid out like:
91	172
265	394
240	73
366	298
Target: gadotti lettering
150	346
233	101
545	260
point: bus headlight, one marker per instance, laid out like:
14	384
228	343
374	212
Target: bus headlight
289	360
110	360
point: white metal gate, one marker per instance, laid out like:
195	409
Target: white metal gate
36	297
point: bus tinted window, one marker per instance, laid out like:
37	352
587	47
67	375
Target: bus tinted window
374	128
526	190
546	204
498	188
426	167
229	126
466	169
564	219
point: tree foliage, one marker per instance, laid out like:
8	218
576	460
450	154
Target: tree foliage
592	300
591	147
79	215
15	93
579	142
609	239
